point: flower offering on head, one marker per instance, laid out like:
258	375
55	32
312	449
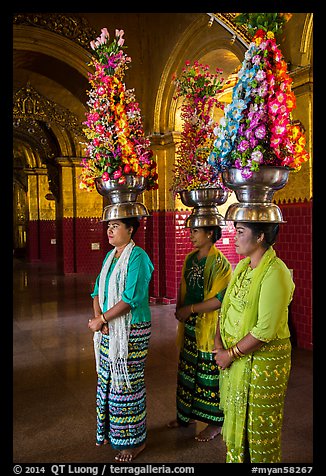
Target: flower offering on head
257	127
198	87
116	143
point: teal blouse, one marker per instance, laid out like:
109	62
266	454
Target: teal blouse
139	273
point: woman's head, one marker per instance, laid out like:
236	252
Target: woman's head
200	236
122	230
131	223
250	235
214	231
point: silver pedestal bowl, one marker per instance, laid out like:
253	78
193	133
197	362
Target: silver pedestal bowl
205	211
117	193
117	211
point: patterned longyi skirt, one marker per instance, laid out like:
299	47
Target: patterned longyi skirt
121	416
198	382
270	370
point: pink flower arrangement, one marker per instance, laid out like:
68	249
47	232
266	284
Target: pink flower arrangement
116	144
257	128
198	87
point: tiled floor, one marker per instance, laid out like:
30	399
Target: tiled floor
55	382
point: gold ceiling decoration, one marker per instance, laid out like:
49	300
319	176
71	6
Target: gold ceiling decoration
31	105
37	137
72	27
241	31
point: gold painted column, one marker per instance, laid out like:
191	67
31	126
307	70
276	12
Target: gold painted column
163	230
74	202
20	219
74	205
163	146
38	187
66	212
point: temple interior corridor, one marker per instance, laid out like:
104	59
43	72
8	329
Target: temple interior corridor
54	381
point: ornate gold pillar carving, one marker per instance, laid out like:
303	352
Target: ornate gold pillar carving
34	114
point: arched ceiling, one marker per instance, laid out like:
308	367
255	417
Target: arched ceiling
51	68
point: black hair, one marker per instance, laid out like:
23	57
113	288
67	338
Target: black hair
270	231
132	221
217	232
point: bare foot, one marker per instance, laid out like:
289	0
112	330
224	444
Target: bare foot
105	442
209	433
125	456
176	424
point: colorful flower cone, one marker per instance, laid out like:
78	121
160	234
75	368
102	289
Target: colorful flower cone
257	128
196	181
198	88
257	142
117	146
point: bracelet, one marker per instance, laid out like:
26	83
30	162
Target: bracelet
192	309
239	351
230	353
103	319
234	352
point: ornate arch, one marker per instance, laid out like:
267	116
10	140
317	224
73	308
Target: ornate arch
63	37
43	130
306	39
194	44
37	117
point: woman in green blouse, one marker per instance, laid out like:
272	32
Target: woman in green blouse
205	276
122	326
253	349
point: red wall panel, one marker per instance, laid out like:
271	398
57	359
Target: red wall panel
33	241
294	247
40	245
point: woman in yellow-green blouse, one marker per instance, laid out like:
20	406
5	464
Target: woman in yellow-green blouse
253	349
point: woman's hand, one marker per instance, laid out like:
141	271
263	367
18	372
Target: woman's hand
222	358
183	313
95	324
105	329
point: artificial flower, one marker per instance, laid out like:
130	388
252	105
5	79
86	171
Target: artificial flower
116	144
198	87
257	128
